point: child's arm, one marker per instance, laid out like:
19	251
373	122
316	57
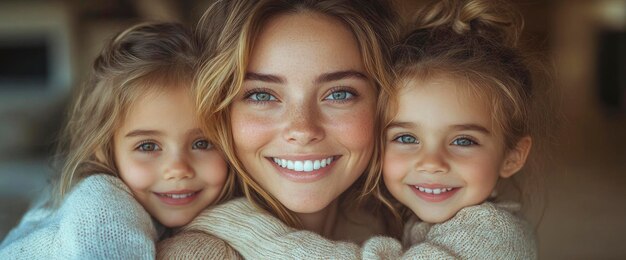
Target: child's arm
255	234
486	231
195	245
99	218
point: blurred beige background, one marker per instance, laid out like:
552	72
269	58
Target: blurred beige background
46	48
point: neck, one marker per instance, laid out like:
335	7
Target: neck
321	222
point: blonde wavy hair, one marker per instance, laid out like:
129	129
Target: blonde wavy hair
144	58
476	43
221	75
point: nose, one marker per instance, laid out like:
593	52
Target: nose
178	168
432	161
303	126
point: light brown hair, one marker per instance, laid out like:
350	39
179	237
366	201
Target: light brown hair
476	43
222	75
144	58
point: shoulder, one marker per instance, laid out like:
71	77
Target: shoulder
497	228
99	218
195	245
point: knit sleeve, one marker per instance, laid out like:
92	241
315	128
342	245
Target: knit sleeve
256	234
195	245
485	231
99	219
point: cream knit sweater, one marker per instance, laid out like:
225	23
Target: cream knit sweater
486	231
99	219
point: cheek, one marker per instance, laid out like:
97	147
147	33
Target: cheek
395	167
138	174
250	130
482	172
213	169
354	128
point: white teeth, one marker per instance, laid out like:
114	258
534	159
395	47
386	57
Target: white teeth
298	166
306	166
176	196
433	191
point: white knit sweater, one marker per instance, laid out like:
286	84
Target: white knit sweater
486	231
99	219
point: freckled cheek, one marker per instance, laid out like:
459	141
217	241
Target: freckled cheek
353	128
252	130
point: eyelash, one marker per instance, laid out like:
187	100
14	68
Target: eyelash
397	139
142	143
249	93
472	140
209	144
348	90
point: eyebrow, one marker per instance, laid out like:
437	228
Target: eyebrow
264	77
339	75
324	78
461	127
141	132
472	127
400	124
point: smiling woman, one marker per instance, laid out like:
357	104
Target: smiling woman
302	85
305	99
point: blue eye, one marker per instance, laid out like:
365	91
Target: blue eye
201	145
464	141
340	95
261	96
406	139
149	147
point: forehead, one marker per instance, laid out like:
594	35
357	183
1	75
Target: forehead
442	100
305	42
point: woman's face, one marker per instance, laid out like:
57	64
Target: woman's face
303	123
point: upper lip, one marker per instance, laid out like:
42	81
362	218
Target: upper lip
434	185
302	157
185	191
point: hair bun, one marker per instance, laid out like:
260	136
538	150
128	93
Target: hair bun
494	20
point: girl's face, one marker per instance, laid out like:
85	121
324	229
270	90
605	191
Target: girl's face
163	157
303	124
443	153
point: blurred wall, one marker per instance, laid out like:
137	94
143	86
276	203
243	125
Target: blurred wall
585	214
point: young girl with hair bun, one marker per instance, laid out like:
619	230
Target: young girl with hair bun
136	160
463	121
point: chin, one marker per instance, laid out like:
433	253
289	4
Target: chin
434	218
174	222
306	206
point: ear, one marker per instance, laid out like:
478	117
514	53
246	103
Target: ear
516	157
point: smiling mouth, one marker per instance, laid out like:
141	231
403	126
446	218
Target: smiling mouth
436	191
177	195
303	166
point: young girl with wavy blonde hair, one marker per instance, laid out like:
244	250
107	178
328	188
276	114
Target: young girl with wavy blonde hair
463	121
136	159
